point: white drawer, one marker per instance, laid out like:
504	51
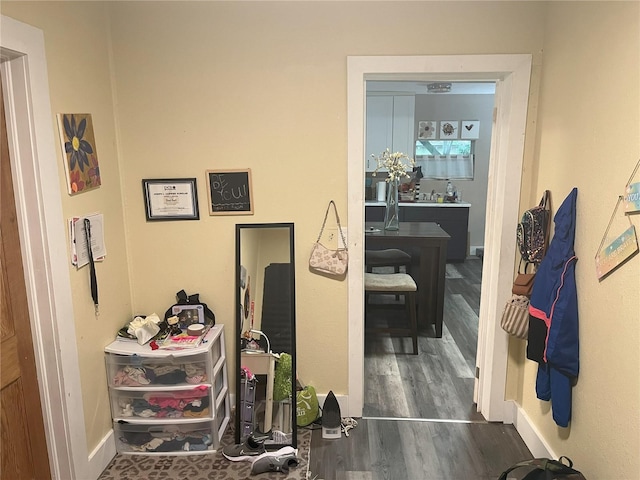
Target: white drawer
163	439
137	371
156	405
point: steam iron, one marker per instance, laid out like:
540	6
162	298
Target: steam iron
331	420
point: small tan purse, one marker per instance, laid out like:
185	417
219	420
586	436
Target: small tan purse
523	283
325	260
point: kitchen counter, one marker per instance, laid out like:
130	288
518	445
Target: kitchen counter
374	203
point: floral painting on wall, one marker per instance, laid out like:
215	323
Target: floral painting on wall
426	129
79	152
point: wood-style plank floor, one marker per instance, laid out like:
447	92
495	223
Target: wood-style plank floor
419	420
438	382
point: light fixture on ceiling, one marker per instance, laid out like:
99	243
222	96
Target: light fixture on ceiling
439	87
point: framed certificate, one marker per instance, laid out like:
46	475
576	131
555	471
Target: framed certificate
171	199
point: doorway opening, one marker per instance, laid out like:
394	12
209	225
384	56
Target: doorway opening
511	74
438	384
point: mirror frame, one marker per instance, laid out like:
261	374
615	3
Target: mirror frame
239	317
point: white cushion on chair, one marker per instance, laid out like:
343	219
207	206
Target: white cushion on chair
389	282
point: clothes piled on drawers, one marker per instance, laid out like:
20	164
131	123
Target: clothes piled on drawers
160	375
192	403
166	441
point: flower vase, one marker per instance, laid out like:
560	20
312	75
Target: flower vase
392	210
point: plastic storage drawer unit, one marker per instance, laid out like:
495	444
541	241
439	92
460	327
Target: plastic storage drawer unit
168	401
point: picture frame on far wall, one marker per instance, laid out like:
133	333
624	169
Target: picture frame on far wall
170	199
427	129
470	130
448	129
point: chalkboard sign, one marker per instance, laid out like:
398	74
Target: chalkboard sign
230	192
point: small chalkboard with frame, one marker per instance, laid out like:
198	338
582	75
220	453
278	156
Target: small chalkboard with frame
230	192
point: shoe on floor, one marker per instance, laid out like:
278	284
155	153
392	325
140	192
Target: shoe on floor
278	461
248	450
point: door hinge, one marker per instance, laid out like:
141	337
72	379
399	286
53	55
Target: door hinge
478	373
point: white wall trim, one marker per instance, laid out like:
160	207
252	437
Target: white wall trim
531	436
102	455
42	236
512	72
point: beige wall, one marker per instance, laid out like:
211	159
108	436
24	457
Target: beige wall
77	47
589	88
206	85
263	85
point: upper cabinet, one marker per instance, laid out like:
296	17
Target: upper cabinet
390	124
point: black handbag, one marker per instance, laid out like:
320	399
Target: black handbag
185	301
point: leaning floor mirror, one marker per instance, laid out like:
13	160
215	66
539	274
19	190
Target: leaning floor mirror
265	333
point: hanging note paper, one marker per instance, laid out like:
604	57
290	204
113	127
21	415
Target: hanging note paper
97	239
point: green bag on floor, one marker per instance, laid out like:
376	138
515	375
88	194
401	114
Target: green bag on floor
307	408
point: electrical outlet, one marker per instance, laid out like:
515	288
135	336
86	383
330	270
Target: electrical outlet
334	238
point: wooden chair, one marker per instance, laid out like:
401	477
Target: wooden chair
398	284
391	257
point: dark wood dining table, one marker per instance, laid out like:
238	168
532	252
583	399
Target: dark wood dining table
428	242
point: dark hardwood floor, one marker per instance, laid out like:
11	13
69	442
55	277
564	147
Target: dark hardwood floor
419	420
438	382
416	450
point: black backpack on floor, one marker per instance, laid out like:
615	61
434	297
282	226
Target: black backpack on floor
544	469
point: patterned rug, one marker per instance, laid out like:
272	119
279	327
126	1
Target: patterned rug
201	467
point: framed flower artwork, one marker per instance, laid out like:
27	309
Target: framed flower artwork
426	129
470	130
79	152
449	129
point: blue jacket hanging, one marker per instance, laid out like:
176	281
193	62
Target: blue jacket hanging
553	316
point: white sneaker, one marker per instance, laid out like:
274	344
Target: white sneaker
278	461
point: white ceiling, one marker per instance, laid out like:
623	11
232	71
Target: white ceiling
464	88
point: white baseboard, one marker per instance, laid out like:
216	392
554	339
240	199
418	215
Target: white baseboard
102	455
532	437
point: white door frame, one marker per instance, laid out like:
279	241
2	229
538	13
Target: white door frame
512	75
34	163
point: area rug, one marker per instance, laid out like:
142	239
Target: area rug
201	467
